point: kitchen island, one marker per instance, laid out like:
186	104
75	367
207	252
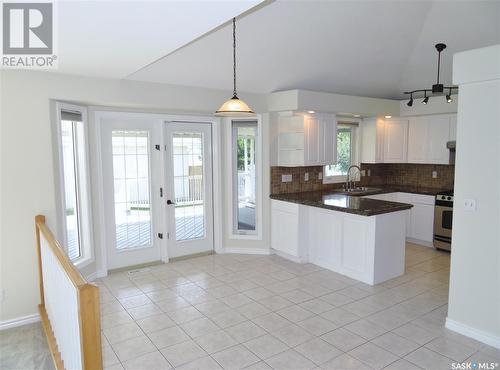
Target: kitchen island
361	238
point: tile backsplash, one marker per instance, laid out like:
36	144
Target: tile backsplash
380	174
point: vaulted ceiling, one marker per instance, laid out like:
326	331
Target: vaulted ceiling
368	48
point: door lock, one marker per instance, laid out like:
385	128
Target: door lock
169	202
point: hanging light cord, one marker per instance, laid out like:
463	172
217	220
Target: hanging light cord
234	58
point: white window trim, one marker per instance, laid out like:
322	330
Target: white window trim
354	151
241	235
87	243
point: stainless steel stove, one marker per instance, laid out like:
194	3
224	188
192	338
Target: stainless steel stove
443	220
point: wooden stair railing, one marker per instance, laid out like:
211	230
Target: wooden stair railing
89	321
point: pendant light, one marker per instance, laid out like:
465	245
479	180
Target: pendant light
234	107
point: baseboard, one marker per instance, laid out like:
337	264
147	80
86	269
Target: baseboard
262	251
19	321
289	256
423	243
482	336
96	275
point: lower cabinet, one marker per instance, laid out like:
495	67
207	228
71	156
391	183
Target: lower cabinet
370	249
288	234
419	219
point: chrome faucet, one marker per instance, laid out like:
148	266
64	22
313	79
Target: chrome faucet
349	185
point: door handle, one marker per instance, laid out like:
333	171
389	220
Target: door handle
169	202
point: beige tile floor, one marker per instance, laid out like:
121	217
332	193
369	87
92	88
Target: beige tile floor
264	312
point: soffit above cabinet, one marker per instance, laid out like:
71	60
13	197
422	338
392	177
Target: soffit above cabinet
304	100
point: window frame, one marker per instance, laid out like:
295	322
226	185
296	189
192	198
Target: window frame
353	126
234	172
82	179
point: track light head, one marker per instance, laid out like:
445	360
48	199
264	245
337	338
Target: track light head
426	100
449	99
410	102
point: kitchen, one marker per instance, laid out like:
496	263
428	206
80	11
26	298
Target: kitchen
357	221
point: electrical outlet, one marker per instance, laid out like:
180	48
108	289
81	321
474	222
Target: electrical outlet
369	172
470	204
320	175
306	176
434	174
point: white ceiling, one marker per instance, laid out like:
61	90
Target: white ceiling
368	48
116	38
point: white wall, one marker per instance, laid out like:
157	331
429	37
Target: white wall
27	173
474	302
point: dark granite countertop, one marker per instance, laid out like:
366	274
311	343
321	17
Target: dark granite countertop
344	203
408	189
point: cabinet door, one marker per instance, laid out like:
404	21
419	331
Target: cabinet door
284	228
395	141
453	127
312	129
438	135
417	139
329	142
422	222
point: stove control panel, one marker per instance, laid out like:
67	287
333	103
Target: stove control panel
448	198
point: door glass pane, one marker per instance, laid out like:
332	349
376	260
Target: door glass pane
131	189
70	188
244	150
188	185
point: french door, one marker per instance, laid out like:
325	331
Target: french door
189	208
131	180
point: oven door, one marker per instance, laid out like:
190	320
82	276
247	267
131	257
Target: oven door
443	219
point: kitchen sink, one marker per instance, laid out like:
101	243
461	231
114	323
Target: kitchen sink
358	190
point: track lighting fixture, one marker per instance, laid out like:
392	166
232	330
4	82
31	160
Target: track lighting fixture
449	99
426	98
410	102
438	88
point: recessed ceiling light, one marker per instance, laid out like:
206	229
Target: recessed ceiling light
311	111
356	115
388	116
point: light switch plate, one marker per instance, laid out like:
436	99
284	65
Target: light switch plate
306	176
320	175
434	174
286	178
470	204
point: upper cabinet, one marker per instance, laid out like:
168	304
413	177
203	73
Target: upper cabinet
305	140
408	140
372	140
395	140
427	138
384	141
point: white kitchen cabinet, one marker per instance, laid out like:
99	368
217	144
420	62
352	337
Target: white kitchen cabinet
453	127
307	140
427	138
418	131
372	140
287	230
419	219
395	141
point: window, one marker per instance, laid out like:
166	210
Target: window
131	189
345	154
244	177
75	204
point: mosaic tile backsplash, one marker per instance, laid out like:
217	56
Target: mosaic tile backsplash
419	175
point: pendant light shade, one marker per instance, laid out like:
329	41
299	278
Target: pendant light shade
234	107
